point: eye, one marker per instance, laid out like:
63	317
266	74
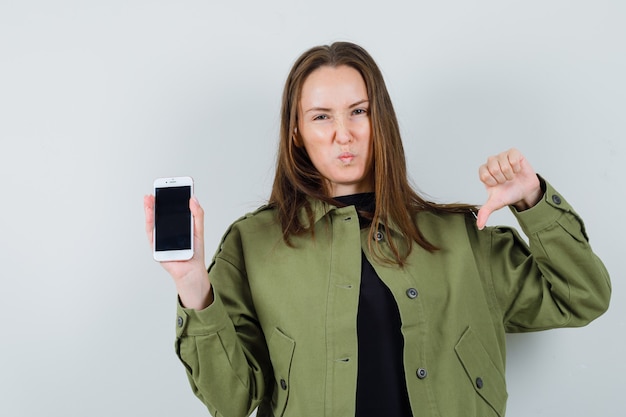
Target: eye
359	111
321	117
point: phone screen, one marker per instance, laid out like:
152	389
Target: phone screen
172	218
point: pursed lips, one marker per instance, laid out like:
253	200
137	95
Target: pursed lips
346	157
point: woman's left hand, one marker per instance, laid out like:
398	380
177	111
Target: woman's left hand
509	180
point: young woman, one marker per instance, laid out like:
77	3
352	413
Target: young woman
350	295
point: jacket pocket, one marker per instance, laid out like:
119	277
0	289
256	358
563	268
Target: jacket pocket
574	226
281	349
483	374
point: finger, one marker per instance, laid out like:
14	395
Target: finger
501	168
497	168
506	168
148	207
515	160
198	214
509	164
198	221
486	177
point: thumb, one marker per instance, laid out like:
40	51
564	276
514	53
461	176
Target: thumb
198	215
485	211
482	216
198	226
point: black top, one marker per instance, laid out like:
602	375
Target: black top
381	386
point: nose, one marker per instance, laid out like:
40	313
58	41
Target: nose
343	136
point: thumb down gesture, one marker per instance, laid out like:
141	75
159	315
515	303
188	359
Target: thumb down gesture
510	181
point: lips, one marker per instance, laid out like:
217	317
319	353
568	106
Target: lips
346	157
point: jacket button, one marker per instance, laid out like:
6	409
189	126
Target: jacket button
411	293
283	384
379	236
179	321
556	199
421	373
479	383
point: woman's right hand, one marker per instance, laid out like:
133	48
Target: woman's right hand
190	277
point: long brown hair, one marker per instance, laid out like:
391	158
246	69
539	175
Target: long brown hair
297	179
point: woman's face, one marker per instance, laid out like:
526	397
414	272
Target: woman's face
334	127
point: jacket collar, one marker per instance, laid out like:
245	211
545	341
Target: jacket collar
321	209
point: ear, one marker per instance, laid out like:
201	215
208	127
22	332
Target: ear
296	138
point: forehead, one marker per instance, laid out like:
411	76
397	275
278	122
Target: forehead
333	84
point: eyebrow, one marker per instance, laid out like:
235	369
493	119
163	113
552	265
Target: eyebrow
324	109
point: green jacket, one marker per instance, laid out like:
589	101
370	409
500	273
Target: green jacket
281	333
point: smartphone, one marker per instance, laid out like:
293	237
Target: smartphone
173	222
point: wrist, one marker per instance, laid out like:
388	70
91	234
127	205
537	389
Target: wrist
529	202
195	291
532	198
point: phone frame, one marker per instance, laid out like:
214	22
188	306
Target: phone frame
172	255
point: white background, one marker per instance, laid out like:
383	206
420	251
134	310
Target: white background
97	98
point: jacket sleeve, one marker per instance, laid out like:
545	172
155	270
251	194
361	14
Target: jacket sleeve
554	281
223	347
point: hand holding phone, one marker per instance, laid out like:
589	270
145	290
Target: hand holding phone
190	275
